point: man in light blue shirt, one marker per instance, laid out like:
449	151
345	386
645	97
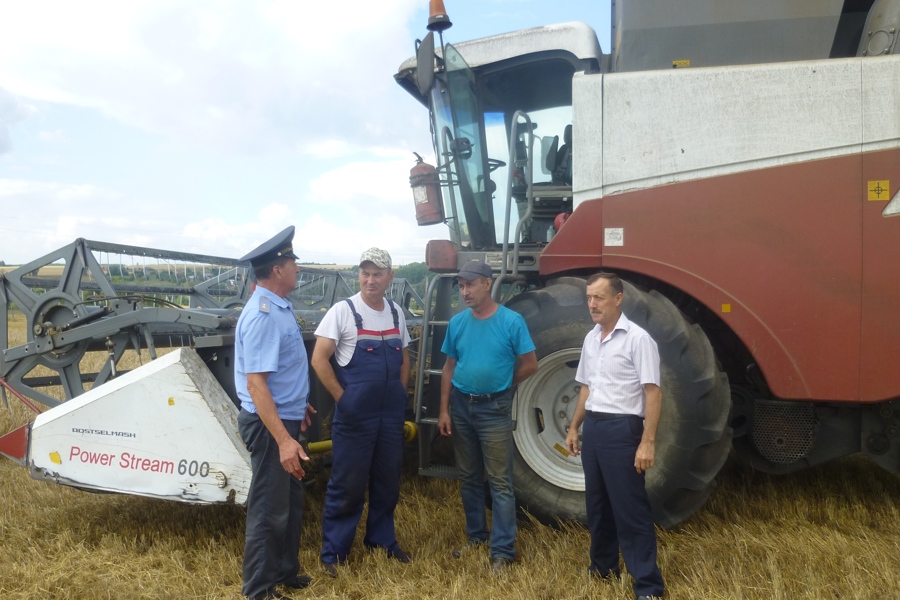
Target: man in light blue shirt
271	375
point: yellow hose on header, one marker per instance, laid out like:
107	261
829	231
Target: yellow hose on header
410	430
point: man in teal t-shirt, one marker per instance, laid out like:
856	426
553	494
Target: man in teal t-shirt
489	351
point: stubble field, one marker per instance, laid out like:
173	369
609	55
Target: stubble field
830	532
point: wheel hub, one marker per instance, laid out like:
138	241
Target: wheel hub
56	309
545	406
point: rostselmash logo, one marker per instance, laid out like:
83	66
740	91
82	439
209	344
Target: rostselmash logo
121	434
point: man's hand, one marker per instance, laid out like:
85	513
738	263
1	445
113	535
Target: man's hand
643	460
292	457
572	441
444	423
321	364
307	419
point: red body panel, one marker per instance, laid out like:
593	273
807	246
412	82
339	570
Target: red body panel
879	370
795	259
14	445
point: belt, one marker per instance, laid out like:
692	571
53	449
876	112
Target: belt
483	397
605	416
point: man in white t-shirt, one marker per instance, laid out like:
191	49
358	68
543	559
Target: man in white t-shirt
367	336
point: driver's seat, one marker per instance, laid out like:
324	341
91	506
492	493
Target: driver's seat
562	169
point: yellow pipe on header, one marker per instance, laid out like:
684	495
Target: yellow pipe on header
410	430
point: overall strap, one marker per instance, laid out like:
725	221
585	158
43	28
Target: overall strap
356	315
394	313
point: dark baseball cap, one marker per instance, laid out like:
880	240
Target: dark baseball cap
475	269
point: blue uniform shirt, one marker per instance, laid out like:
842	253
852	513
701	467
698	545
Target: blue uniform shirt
486	349
269	340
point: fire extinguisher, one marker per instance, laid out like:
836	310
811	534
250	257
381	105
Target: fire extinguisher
426	187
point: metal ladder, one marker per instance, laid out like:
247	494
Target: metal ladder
438	310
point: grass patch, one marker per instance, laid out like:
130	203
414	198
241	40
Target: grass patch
829	532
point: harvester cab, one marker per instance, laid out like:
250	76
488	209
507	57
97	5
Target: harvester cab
499	121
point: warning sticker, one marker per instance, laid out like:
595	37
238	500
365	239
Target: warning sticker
879	190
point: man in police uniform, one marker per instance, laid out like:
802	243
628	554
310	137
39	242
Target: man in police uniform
272	380
367	336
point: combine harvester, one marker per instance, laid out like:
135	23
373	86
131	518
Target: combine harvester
737	163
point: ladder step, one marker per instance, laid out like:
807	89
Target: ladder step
432	323
443	471
433	371
427	421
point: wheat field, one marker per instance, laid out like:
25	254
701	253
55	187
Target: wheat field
829	532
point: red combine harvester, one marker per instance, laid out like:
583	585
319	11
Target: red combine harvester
737	164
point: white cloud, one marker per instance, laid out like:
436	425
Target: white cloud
12	110
227	74
364	186
284	78
321	239
57	136
363	204
41	217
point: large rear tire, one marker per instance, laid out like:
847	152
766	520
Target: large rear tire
693	439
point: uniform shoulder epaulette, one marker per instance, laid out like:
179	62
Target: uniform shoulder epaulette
263	304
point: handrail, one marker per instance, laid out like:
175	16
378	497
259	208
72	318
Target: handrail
424	351
446	134
503	277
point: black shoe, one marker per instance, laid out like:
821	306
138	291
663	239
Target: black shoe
471	544
331	569
400	555
299	582
611	575
500	565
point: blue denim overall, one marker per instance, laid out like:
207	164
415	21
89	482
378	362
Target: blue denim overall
367	443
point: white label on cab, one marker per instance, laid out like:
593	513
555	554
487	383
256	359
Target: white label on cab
614	236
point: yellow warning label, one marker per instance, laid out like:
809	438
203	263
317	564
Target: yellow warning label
879	190
560	449
726	308
678	64
55	459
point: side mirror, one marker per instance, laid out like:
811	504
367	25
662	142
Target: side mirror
425	64
461	147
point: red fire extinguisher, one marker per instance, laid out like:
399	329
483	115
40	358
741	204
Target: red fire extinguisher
426	187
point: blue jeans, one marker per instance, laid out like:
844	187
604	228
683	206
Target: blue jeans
482	441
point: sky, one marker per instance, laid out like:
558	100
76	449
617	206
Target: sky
208	126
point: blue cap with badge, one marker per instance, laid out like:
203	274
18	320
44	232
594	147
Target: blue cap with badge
278	247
